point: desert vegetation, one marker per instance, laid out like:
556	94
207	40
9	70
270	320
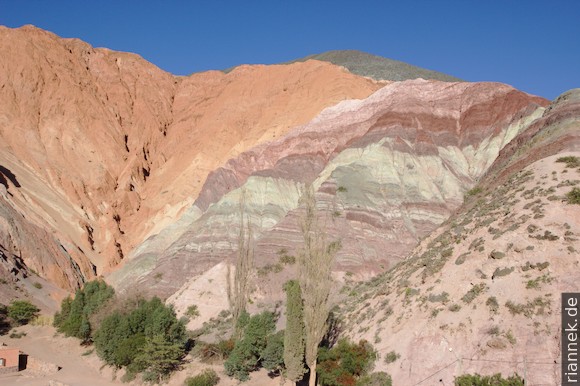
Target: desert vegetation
142	336
17	313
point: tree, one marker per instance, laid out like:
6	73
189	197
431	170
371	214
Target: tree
22	311
4	323
294	335
315	265
249	351
159	357
273	354
128	338
239	290
74	315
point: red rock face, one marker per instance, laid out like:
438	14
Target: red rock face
379	219
123	147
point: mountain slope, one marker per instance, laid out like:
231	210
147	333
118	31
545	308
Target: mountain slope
107	148
482	292
388	170
377	67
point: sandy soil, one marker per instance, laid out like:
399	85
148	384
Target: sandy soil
41	343
44	344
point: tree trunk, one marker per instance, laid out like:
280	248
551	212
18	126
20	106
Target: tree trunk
312	379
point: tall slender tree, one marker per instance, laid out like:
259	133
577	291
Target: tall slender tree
315	265
294	334
238	288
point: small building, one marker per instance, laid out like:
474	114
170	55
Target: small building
9	359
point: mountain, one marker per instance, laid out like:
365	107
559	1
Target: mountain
106	148
451	200
377	67
388	170
482	292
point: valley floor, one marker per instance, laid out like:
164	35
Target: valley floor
46	347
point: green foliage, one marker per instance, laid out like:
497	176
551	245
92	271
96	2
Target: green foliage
22	311
4	323
473	192
208	377
345	363
147	338
391	357
375	379
73	318
158	357
573	196
493	380
248	351
192	311
492	304
37	285
294	336
570	161
474	292
273	354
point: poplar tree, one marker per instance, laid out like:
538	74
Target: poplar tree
315	265
294	334
239	288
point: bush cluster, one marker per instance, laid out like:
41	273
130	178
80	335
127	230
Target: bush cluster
208	377
259	346
147	339
73	318
346	363
488	380
144	336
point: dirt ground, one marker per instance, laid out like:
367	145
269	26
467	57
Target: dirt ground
42	343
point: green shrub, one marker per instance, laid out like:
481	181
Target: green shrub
345	363
573	196
148	339
192	311
273	354
492	304
375	379
248	352
287	259
391	357
473	293
493	380
22	311
570	161
472	192
208	377
37	285
74	315
454	307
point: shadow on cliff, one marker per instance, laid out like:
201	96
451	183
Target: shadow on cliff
5	174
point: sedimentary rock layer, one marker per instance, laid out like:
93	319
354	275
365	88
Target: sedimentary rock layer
125	146
388	170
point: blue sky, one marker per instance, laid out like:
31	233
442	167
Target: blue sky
532	45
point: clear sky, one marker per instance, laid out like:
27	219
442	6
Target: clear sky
532	45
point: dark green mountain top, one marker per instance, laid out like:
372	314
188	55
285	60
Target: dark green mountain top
377	67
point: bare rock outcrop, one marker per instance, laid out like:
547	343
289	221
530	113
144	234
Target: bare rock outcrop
108	148
388	169
481	294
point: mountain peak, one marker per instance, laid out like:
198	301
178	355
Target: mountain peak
377	67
